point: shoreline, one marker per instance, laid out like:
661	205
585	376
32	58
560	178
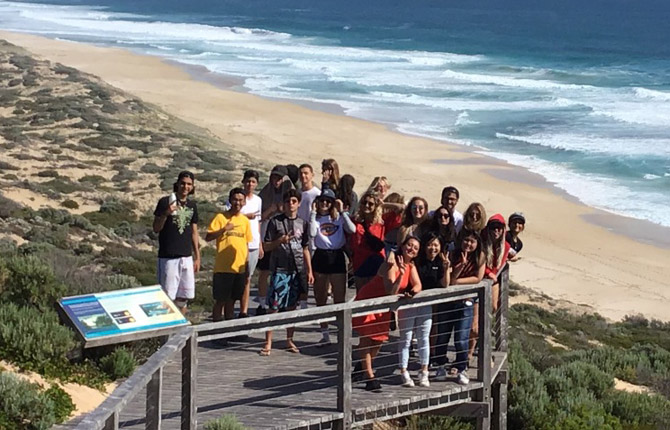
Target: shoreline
641	231
570	251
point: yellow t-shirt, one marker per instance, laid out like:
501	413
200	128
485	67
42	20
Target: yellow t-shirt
232	247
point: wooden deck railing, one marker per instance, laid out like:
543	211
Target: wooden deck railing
149	375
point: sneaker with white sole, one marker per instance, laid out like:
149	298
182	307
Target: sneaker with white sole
462	378
325	340
423	379
406	379
441	374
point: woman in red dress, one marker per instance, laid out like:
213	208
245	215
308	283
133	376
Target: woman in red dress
397	275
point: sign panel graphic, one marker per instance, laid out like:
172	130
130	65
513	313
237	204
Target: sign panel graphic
122	312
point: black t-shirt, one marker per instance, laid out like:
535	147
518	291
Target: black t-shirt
175	240
431	273
516	246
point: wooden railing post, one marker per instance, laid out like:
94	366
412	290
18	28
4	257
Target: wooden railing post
112	422
499	393
501	341
189	376
344	328
154	394
484	355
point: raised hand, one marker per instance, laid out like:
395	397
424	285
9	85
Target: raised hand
446	263
339	205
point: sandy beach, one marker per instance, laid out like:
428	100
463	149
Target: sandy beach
573	252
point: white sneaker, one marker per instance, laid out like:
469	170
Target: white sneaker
462	378
423	379
441	374
406	379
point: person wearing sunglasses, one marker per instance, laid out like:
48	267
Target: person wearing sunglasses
414	219
443	225
329	224
367	242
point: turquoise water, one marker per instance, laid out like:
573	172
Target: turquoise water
578	92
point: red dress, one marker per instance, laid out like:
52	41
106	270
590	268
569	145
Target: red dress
376	325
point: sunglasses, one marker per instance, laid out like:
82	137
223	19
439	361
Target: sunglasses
369	203
443	215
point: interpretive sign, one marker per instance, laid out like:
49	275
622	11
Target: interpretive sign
122	315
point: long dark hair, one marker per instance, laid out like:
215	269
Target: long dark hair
346	189
475	255
450	235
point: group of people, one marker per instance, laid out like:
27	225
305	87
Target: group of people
298	236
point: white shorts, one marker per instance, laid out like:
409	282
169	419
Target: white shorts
177	277
252	262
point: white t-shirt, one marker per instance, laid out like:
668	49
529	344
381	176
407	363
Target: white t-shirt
329	233
458	220
253	206
306	201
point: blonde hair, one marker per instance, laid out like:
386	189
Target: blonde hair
469	224
376	215
380	180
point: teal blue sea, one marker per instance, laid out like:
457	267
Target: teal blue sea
577	91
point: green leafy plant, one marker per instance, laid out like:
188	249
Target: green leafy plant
119	364
34	339
31	282
23	406
63	405
225	422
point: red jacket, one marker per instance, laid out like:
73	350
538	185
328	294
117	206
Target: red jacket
359	247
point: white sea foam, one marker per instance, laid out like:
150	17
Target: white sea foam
464	119
594	190
594	144
509	81
645	93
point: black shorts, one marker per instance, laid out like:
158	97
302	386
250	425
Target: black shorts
228	287
329	261
264	263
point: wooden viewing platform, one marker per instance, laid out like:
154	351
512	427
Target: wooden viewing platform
195	377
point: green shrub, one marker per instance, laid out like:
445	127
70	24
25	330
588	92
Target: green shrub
34	339
48	174
23	406
70	204
225	422
62	185
31	282
62	401
92	179
119	364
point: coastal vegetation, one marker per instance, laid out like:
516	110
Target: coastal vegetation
82	167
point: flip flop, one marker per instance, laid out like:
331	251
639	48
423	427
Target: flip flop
264	352
293	349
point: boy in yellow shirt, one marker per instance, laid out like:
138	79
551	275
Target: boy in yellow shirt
232	232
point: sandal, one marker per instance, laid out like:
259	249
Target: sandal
264	352
293	349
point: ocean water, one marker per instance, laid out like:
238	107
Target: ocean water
577	91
